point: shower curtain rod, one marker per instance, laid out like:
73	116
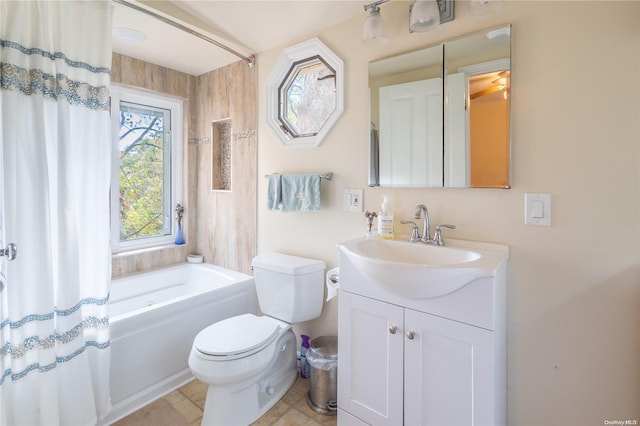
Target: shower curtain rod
251	61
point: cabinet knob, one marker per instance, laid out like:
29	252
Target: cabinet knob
393	329
411	335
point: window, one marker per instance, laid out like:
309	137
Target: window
305	93
147	168
307	97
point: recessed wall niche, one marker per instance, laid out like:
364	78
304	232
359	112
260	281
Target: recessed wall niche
221	155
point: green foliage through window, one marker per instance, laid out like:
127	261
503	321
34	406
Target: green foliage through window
144	172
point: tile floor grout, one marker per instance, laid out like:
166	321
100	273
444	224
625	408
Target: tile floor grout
187	402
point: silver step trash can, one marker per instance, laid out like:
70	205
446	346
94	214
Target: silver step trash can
322	357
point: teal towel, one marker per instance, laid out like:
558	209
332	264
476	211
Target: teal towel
301	192
274	194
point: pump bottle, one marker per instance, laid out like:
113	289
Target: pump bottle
385	220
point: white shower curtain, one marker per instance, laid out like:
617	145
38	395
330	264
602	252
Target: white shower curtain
55	58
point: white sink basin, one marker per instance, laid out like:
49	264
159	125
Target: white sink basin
400	252
418	270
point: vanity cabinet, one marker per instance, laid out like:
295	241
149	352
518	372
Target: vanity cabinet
422	361
370	360
401	366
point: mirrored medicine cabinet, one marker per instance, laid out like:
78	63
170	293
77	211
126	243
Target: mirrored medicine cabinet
440	115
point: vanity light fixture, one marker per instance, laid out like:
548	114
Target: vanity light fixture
424	15
374	24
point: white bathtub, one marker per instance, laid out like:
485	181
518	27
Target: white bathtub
155	316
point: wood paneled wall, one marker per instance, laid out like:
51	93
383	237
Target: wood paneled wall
226	224
219	225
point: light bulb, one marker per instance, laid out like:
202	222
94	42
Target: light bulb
373	26
424	16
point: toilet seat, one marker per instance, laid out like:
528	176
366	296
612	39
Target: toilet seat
237	337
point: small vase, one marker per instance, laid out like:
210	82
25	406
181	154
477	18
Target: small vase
179	236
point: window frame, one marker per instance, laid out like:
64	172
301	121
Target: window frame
284	100
154	100
302	53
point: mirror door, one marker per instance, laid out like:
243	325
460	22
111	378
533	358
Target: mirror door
477	86
440	115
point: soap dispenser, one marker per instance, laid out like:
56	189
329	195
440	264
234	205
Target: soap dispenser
385	220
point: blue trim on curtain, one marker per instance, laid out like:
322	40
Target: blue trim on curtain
49	367
13	77
36	342
88	301
58	86
53	56
56	311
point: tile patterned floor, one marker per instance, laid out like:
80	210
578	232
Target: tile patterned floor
183	407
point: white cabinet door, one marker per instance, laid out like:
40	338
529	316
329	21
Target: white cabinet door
448	372
370	373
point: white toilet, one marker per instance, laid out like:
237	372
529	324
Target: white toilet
249	361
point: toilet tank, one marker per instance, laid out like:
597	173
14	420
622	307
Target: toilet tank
289	288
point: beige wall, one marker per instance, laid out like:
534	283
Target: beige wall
489	153
574	288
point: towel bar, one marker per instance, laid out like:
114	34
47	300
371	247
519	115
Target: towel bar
326	176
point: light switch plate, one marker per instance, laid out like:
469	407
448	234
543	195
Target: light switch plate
537	209
352	201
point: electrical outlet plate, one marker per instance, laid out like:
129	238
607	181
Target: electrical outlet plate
352	200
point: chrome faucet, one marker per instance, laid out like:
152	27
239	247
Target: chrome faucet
426	226
415	231
437	235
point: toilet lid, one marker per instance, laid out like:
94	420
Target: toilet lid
236	335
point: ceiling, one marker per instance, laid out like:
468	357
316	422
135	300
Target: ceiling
248	26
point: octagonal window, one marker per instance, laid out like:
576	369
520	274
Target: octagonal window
307	97
305	93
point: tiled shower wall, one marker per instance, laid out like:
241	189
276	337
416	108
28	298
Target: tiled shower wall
226	223
221	225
